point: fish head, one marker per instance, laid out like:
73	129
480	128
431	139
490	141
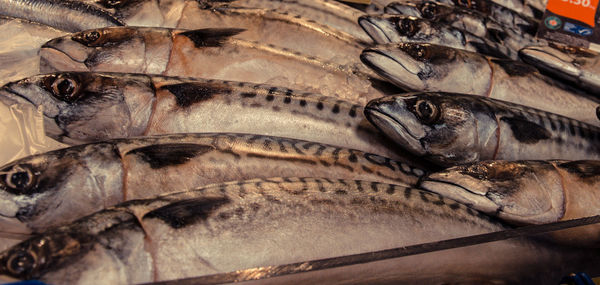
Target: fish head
385	29
413	66
117	49
521	192
39	190
81	106
31	258
406	9
437	126
67	253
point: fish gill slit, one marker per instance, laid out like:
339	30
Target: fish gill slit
152	109
491	82
562	186
498	134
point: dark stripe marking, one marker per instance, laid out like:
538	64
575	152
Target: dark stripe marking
164	155
186	212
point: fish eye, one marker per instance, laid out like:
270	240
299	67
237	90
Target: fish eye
111	3
426	111
407	27
92	38
429	10
65	88
19	179
419	52
21	263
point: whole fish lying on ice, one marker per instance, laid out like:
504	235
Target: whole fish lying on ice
577	65
57	187
451	129
209	53
85	107
528	192
266	26
425	67
67	15
257	223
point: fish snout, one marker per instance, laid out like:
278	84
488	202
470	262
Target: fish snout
377	28
63	54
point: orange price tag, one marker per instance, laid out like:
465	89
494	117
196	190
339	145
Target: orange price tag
580	10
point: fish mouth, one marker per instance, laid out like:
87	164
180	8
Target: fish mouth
10	97
540	56
397	67
53	59
374	31
394	129
456	191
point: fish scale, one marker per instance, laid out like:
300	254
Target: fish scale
458	129
424	67
527	192
180	53
261	222
112	105
128	169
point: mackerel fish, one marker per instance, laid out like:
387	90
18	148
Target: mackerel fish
452	129
65	15
388	29
533	9
57	187
425	67
469	20
257	223
528	192
576	65
266	26
85	107
500	15
208	53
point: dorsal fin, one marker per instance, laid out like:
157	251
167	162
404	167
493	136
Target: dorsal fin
213	37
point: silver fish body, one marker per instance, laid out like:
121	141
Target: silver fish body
505	17
60	186
528	192
464	19
266	26
424	67
453	129
207	53
576	65
66	15
85	107
326	12
258	223
388	29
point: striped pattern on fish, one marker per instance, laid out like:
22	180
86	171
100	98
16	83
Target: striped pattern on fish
59	186
453	129
208	53
96	106
528	192
425	67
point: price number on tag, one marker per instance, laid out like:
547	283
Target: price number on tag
582	3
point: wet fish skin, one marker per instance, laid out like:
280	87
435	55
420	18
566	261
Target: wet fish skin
499	14
266	26
182	53
203	225
326	12
388	29
86	107
66	15
453	129
576	65
528	192
425	67
57	187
